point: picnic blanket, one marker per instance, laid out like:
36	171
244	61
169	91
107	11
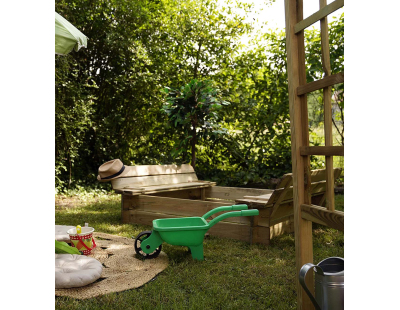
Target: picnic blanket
121	269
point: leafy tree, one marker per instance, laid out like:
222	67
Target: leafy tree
74	106
134	49
258	145
195	39
109	103
193	110
125	103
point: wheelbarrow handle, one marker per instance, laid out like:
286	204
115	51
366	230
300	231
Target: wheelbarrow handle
232	214
226	208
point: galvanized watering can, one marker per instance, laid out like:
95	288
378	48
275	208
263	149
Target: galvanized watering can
329	283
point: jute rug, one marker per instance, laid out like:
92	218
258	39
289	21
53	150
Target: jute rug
121	269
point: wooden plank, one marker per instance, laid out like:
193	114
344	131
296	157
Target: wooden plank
318	175
220	200
316	188
188	193
300	164
254	204
162	188
332	7
284	211
233	193
286	179
281	197
286	226
263	218
317	214
127	192
182	207
138	182
322	150
143	217
128	202
231	231
337	172
262	197
126	217
174	206
260	235
263	234
191	194
156	188
174	189
144	170
203	194
319	84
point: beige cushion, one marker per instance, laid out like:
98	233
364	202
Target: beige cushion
76	270
61	233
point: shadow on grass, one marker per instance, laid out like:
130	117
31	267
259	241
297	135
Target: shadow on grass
104	216
234	274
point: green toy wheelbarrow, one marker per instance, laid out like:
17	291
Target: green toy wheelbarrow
186	231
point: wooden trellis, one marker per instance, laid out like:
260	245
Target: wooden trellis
304	212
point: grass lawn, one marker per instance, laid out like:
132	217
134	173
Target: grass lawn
234	274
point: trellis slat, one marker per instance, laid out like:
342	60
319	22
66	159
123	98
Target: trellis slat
322	150
318	15
321	215
327	95
325	82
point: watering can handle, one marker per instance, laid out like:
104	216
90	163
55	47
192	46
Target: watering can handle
302	277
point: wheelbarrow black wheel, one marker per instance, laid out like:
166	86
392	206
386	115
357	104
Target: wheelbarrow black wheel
138	242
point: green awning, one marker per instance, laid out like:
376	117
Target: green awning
68	37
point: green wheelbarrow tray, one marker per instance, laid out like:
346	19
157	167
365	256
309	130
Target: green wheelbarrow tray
186	231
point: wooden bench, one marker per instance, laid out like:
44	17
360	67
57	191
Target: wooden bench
165	191
276	208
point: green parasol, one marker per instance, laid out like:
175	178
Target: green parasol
68	37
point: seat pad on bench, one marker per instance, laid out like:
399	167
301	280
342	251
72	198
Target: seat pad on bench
76	270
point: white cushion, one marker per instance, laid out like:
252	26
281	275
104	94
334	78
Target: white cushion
61	233
76	270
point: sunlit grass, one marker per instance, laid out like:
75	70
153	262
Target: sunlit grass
234	274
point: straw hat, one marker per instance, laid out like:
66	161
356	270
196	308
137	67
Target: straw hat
111	170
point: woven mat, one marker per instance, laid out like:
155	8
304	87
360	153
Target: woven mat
121	270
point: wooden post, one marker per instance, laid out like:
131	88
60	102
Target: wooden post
299	135
203	194
327	93
298	88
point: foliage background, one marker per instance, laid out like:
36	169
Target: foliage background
109	96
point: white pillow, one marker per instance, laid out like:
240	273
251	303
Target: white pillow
61	233
76	270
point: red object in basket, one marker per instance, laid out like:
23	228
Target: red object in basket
80	245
